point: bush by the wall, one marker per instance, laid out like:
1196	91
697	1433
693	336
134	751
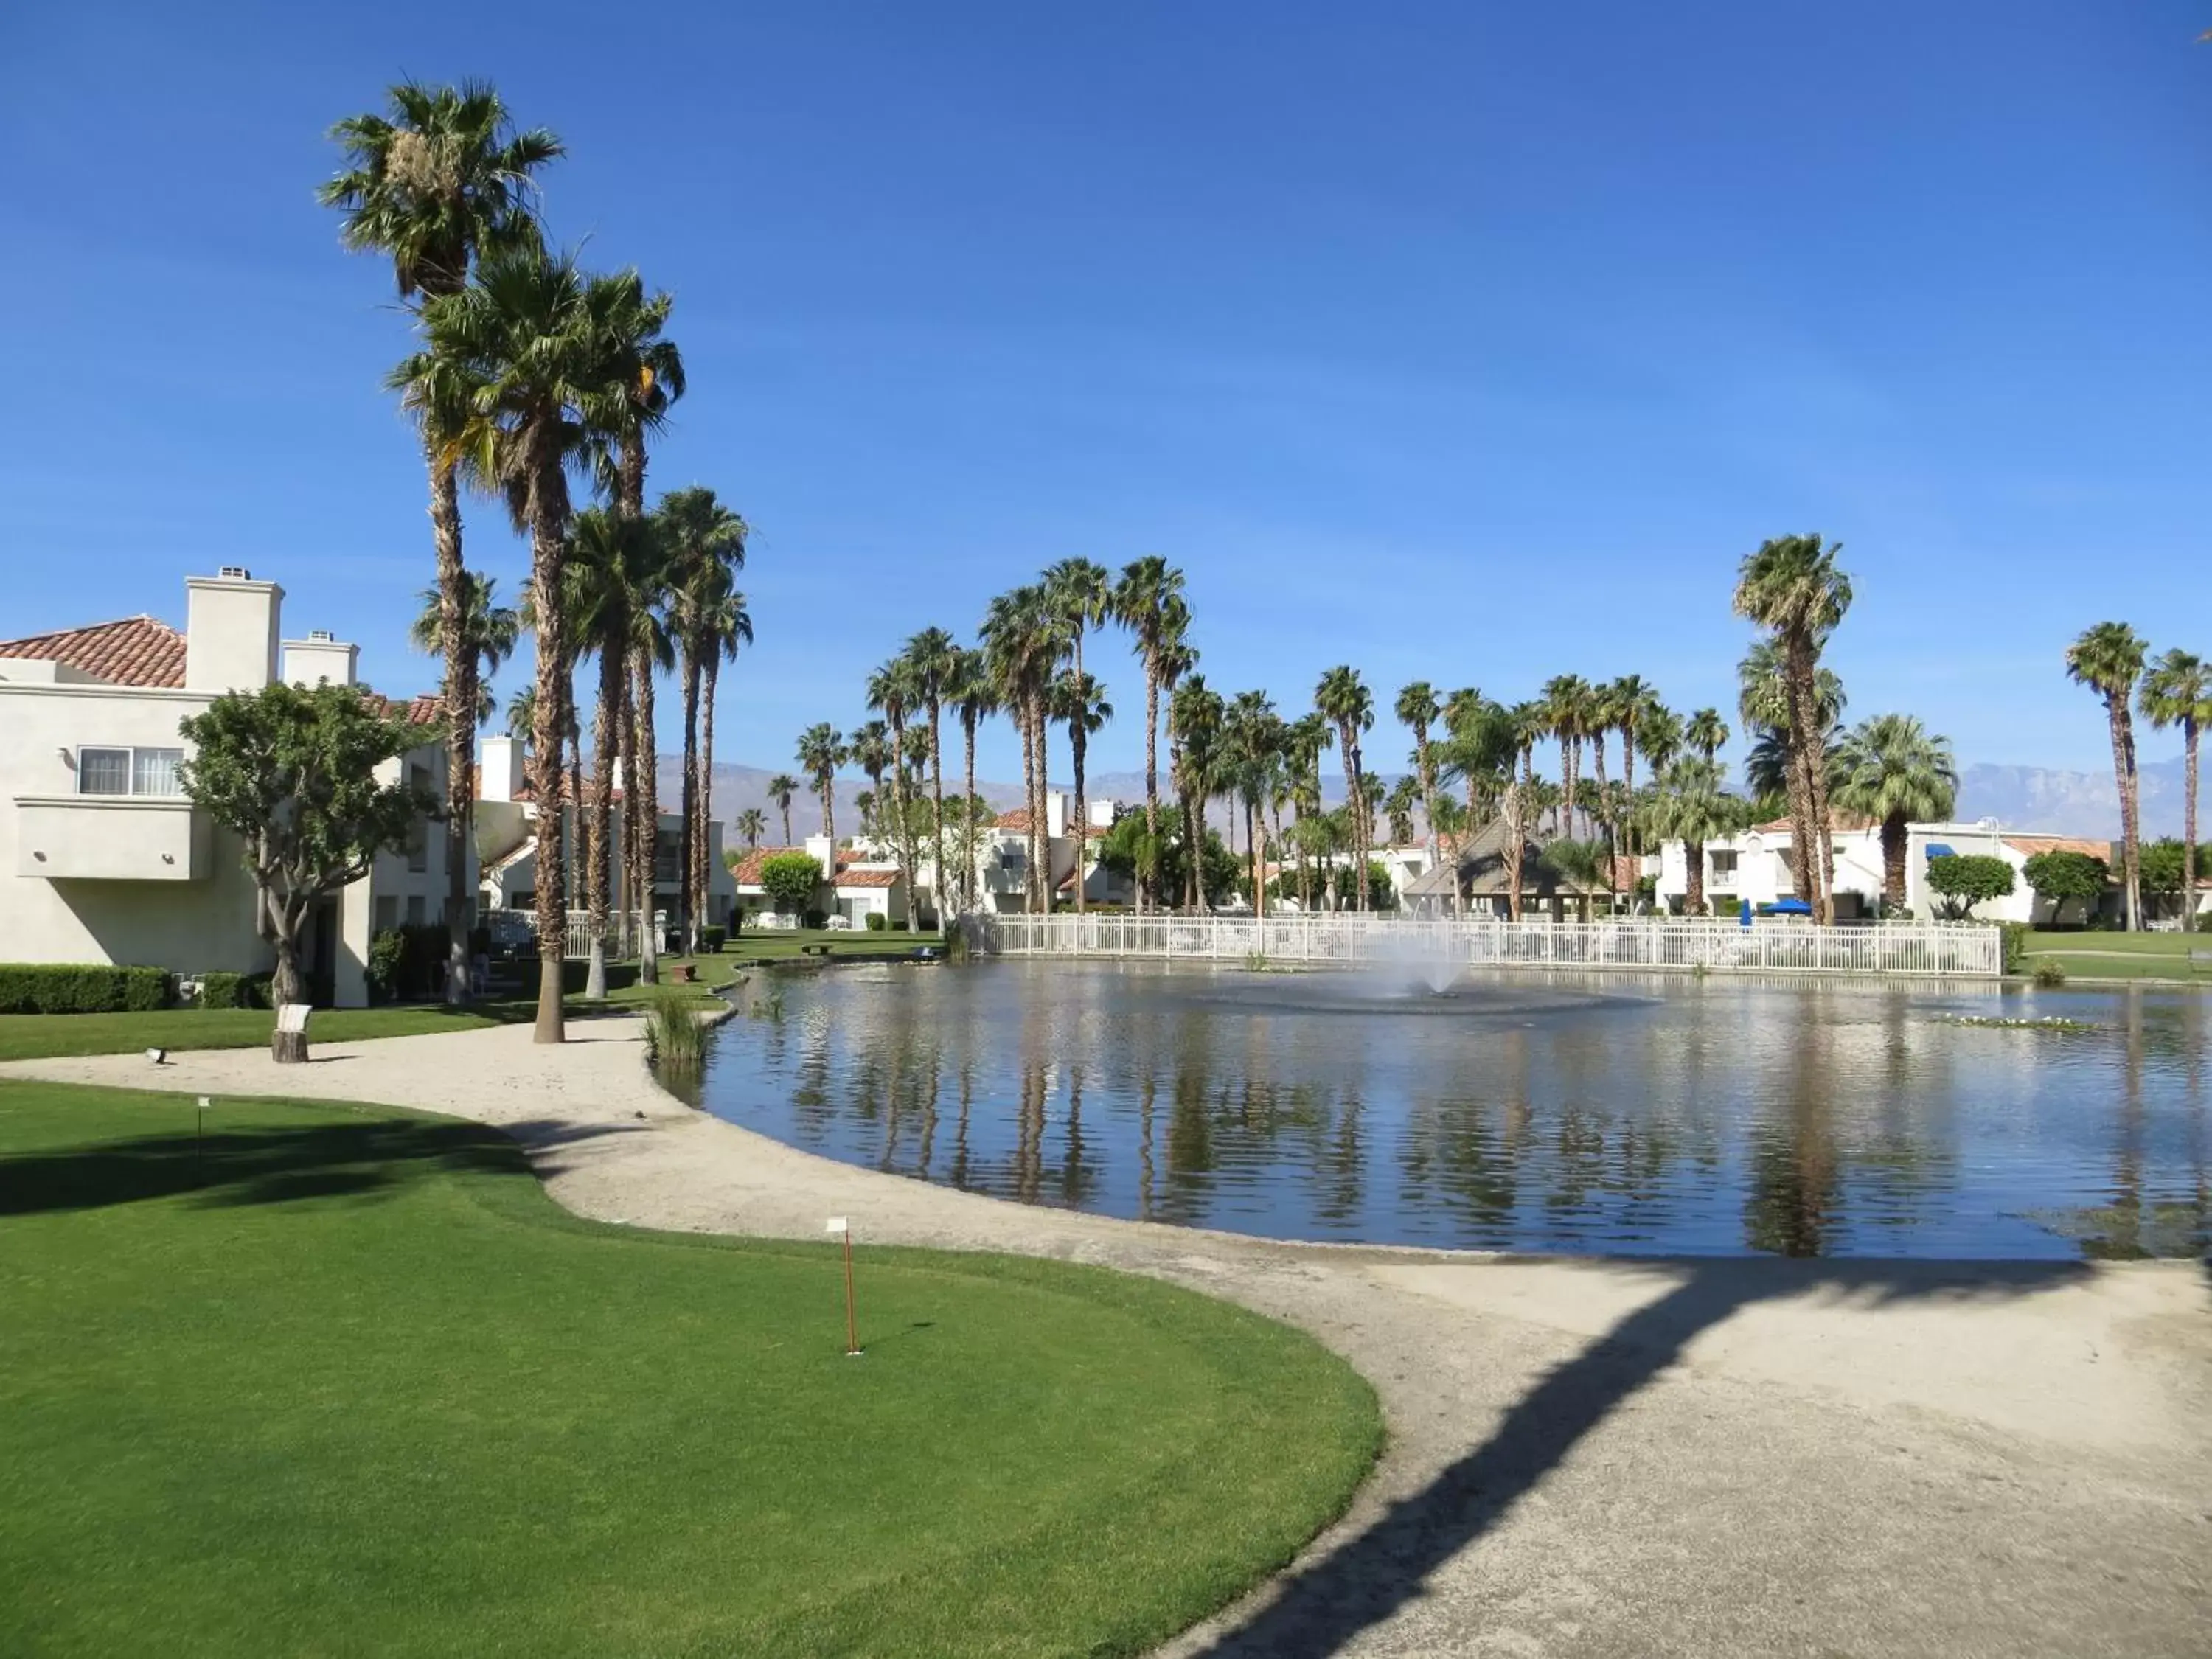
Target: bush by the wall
2014	935
80	989
408	963
877	921
818	920
710	940
224	990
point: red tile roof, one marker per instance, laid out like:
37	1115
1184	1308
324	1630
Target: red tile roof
2032	844
867	879
1839	824
1017	819
136	651
422	710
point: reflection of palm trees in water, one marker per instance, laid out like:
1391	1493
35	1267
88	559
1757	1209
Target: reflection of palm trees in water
959	1176
1150	1090
1794	1176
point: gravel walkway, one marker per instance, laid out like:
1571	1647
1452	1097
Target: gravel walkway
1693	1458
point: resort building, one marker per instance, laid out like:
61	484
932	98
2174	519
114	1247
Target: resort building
102	858
856	884
507	844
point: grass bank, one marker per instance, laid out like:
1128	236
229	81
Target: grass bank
2153	957
346	1380
42	1037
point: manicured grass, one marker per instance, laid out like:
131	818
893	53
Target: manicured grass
2148	944
350	1382
2154	956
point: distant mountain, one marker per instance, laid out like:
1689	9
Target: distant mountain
2069	803
2019	797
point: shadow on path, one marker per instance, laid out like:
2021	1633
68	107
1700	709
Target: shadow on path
1367	1579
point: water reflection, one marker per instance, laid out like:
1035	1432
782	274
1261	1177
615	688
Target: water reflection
1662	1115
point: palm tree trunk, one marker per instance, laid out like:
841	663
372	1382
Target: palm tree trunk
547	555
899	818
598	818
460	663
1256	831
2189	735
706	792
2123	772
1694	854
1514	840
1147	879
1809	809
968	819
1893	845
1040	822
786	821
1081	827
643	787
937	883
686	843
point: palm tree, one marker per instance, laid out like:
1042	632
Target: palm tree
1417	710
617	569
1344	698
1399	805
524	340
893	690
437	180
1252	738
821	752
934	656
1792	587
2108	659
705	543
752	824
967	687
780	788
2177	690
1149	602
1891	769
1025	633
1568	711
490	631
1706	732
869	748
1689	806
864	803
1078	703
1195	715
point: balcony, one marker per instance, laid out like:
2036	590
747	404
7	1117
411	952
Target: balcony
111	838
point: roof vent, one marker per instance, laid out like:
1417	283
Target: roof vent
321	636
236	573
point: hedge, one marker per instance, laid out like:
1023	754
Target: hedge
224	990
80	989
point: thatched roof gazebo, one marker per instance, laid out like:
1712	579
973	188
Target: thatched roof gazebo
1483	873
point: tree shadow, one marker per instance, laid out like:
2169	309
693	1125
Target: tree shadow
232	1166
1365	1579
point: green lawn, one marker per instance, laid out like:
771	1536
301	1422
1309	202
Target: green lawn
349	1383
39	1037
2121	955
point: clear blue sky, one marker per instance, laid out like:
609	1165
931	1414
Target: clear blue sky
1478	347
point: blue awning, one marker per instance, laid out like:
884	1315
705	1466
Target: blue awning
1937	849
1790	907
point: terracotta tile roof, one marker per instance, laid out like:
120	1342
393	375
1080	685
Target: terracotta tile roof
746	872
1839	824
2031	844
867	879
136	651
422	711
1017	819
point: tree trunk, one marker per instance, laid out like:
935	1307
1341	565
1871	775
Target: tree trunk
283	930
1081	827
1694	899
1516	840
643	785
1893	844
2124	771
898	818
2189	735
1148	879
686	844
461	665
1810	741
970	899
937	881
1424	763
1363	821
1350	745
703	845
1255	837
596	819
1040	819
547	556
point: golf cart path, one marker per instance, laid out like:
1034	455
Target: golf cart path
1586	1457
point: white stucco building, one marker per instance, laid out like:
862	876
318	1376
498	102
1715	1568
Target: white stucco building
103	859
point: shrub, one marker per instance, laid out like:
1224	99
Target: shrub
387	960
710	940
225	990
80	989
674	1039
877	921
2049	974
1965	879
408	963
789	881
818	920
2014	936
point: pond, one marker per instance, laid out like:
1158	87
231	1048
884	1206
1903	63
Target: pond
1536	1113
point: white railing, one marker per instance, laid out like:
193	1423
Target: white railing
623	933
1966	949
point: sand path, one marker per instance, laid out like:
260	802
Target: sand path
1586	1458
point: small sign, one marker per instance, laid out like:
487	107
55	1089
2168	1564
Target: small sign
838	1224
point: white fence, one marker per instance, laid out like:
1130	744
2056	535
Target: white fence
623	935
1969	949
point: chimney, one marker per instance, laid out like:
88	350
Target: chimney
230	631
1055	812
320	659
500	776
824	852
1102	812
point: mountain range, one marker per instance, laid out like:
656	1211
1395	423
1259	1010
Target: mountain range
2019	797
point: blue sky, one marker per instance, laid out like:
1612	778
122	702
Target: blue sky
1472	345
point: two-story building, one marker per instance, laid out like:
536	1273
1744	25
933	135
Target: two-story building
102	857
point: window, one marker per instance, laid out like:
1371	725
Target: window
128	771
414	909
103	771
387	913
1724	862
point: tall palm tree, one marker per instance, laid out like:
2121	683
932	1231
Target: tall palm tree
706	544
1690	806
1706	732
490	631
780	788
869	748
1195	716
2108	659
437	181
1417	710
1567	704
1025	634
934	656
2177	690
1793	588
864	803
523	337
1343	696
1078	703
821	752
752	824
1149	602
1892	770
893	690
967	687
1253	739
